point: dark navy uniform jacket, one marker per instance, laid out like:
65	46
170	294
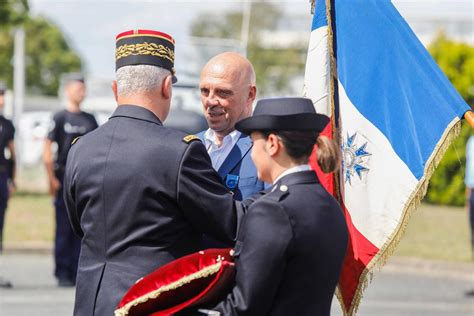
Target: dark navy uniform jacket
289	251
140	196
7	132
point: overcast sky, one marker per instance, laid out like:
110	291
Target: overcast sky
91	25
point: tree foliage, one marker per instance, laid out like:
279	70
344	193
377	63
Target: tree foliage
13	12
457	62
48	54
274	66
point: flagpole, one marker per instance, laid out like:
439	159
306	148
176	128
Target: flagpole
469	117
244	31
334	97
313	3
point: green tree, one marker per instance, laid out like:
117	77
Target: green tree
13	12
457	62
48	55
274	66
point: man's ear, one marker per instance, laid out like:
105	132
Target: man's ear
251	97
273	145
114	89
252	93
166	87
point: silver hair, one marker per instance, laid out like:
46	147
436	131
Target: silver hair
139	78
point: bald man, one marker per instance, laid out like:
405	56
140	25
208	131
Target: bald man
228	90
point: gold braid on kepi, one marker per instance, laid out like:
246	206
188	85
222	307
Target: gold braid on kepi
145	47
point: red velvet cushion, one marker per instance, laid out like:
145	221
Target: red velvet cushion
199	278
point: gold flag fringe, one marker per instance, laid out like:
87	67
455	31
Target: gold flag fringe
450	134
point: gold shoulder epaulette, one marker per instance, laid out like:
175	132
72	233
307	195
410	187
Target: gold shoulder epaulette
75	140
190	138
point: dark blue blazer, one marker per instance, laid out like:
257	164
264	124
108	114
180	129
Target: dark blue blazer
239	163
289	251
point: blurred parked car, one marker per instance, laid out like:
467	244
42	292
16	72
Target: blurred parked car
185	112
32	131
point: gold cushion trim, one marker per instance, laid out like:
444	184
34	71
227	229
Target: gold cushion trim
203	273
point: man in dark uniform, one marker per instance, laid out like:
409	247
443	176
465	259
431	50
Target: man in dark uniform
67	125
7	169
140	194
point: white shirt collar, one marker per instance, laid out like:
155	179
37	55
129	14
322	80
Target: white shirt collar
210	137
299	168
219	154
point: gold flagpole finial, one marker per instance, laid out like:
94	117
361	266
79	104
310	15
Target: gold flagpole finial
469	117
313	2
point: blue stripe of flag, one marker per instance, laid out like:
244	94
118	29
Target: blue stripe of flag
319	18
392	80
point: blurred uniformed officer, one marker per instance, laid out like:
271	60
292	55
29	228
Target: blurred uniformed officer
140	194
67	125
292	241
7	168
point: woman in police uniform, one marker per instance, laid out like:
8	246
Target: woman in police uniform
292	241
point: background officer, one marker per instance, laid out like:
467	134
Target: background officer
469	181
140	194
7	168
65	127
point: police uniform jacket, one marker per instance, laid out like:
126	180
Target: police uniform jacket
140	195
289	251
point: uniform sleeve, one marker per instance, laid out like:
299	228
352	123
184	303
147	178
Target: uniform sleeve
251	199
54	128
94	122
11	133
69	195
204	200
260	253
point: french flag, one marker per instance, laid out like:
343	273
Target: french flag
393	112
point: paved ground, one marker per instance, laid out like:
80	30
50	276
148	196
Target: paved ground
404	287
413	287
35	291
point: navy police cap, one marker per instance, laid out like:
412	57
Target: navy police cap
283	114
72	77
145	47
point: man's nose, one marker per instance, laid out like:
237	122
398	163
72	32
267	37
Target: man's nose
212	99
